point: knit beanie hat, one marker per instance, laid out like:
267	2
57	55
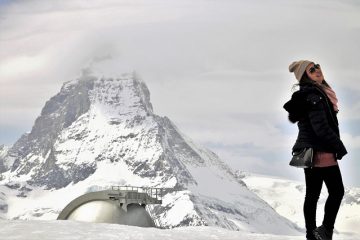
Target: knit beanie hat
298	68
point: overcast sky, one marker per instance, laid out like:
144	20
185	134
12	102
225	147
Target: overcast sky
217	68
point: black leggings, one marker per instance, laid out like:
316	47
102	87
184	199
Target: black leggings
314	178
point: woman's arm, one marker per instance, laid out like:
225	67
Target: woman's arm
321	126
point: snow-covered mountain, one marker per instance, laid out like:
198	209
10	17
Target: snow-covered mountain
287	196
98	132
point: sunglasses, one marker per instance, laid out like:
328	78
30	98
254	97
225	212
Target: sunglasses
313	68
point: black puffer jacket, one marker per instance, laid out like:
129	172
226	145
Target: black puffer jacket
318	125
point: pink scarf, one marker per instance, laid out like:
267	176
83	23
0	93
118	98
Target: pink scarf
332	96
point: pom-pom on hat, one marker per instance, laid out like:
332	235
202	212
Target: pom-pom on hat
299	67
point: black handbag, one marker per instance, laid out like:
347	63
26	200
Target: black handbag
302	158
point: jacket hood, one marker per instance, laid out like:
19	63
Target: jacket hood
298	105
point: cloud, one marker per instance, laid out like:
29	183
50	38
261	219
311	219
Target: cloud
218	69
351	140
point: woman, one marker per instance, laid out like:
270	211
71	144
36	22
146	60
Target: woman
314	107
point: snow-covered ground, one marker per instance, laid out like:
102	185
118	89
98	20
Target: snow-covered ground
287	196
69	230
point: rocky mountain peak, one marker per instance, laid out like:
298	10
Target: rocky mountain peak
100	131
115	98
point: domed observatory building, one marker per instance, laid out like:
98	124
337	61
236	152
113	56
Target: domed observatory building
121	205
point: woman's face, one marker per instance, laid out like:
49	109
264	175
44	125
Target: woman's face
314	72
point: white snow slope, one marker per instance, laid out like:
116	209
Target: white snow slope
287	197
69	230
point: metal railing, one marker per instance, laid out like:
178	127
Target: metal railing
132	192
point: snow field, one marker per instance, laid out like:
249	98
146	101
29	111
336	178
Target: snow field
71	230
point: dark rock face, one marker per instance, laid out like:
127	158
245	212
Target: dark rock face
3	205
58	113
58	178
3	152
